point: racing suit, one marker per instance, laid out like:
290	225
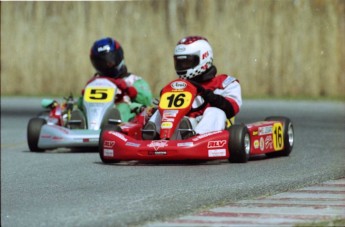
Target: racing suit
219	99
135	93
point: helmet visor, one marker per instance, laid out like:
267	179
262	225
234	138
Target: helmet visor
106	64
184	62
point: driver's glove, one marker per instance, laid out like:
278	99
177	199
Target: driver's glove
215	100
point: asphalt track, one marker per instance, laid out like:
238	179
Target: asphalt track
309	206
73	188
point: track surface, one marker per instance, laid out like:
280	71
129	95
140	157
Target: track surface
68	188
324	202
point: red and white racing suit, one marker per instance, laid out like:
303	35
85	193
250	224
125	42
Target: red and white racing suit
224	100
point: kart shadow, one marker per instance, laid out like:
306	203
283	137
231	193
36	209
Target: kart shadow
166	163
258	158
177	163
181	163
65	151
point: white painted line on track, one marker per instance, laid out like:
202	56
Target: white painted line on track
321	202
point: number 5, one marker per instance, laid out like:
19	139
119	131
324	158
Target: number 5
98	94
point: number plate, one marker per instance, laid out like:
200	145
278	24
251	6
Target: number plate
99	95
278	137
175	100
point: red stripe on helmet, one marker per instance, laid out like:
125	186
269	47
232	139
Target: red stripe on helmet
191	39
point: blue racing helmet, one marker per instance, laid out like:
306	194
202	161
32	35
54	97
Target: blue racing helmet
107	57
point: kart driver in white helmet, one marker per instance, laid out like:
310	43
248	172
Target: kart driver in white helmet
219	96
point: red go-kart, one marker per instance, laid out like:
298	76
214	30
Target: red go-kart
274	136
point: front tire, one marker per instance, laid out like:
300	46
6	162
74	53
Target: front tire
239	143
288	133
33	133
108	127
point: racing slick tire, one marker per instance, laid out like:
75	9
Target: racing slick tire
77	116
288	135
111	117
239	143
107	127
33	133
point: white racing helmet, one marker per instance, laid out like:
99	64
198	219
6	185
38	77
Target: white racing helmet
193	56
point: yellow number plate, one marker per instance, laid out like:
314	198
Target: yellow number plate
93	94
278	137
175	100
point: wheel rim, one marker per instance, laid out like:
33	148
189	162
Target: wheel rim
290	135
247	143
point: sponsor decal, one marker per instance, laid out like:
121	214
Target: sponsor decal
168	119
169	113
255	133
205	135
204	67
130	144
216	143
127	125
178	85
105	48
86	140
119	135
180	49
46	136
256	144
157	153
166	125
187	144
217	153
56	138
205	55
228	81
108	143
268	142
108	152
60	129
265	130
158	144
262	144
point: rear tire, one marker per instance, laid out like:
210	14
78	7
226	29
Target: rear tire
239	143
112	117
108	127
288	133
77	115
33	133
